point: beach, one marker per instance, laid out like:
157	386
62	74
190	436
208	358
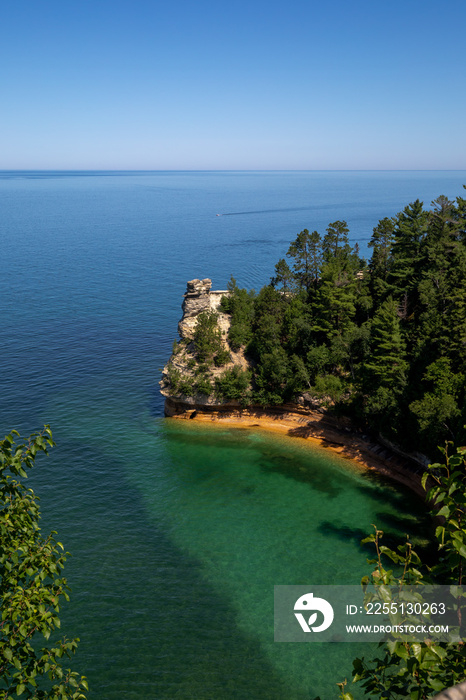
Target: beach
318	429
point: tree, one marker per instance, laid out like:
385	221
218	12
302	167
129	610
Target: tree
207	336
387	366
406	252
31	585
240	304
420	670
336	240
306	253
283	276
381	242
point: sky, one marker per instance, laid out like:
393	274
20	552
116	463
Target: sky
244	85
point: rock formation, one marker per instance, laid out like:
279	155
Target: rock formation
182	370
199	298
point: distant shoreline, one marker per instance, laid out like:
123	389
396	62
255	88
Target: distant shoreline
315	427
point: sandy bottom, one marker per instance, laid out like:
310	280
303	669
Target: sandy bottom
316	429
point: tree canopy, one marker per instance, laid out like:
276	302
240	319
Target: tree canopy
387	336
31	585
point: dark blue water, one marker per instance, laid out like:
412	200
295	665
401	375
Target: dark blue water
178	533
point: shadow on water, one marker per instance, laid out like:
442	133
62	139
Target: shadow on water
346	534
268	459
291	467
411	517
150	625
391	539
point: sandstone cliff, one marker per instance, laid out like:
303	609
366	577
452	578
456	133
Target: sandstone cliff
186	379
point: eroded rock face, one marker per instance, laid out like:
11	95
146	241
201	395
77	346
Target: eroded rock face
196	288
195	301
199	298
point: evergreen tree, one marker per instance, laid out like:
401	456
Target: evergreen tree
283	278
306	253
387	365
381	243
336	240
405	265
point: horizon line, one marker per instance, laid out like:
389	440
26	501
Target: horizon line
225	170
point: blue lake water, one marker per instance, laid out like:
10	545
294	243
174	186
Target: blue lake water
179	532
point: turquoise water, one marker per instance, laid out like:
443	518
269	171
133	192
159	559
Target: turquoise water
178	532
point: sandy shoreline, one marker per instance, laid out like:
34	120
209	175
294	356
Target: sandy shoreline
316	428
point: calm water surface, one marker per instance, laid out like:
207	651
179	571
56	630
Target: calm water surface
179	532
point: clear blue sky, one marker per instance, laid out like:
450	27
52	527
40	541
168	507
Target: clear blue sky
249	84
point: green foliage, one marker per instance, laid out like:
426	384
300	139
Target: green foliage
306	252
284	278
415	670
31	585
233	383
328	386
381	242
387	365
272	377
335	244
203	385
186	386
174	377
387	340
240	304
207	336
222	357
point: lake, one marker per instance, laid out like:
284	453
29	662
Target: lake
179	532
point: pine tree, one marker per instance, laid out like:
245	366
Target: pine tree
306	252
387	366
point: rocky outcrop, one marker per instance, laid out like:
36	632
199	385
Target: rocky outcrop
305	418
199	298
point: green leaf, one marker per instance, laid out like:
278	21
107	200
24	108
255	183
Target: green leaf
461	548
436	684
402	652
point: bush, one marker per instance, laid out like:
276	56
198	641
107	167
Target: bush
222	358
186	386
233	383
203	385
329	385
207	336
174	377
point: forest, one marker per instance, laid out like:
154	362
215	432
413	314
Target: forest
382	341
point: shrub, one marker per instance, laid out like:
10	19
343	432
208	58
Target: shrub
233	383
203	385
207	336
222	358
